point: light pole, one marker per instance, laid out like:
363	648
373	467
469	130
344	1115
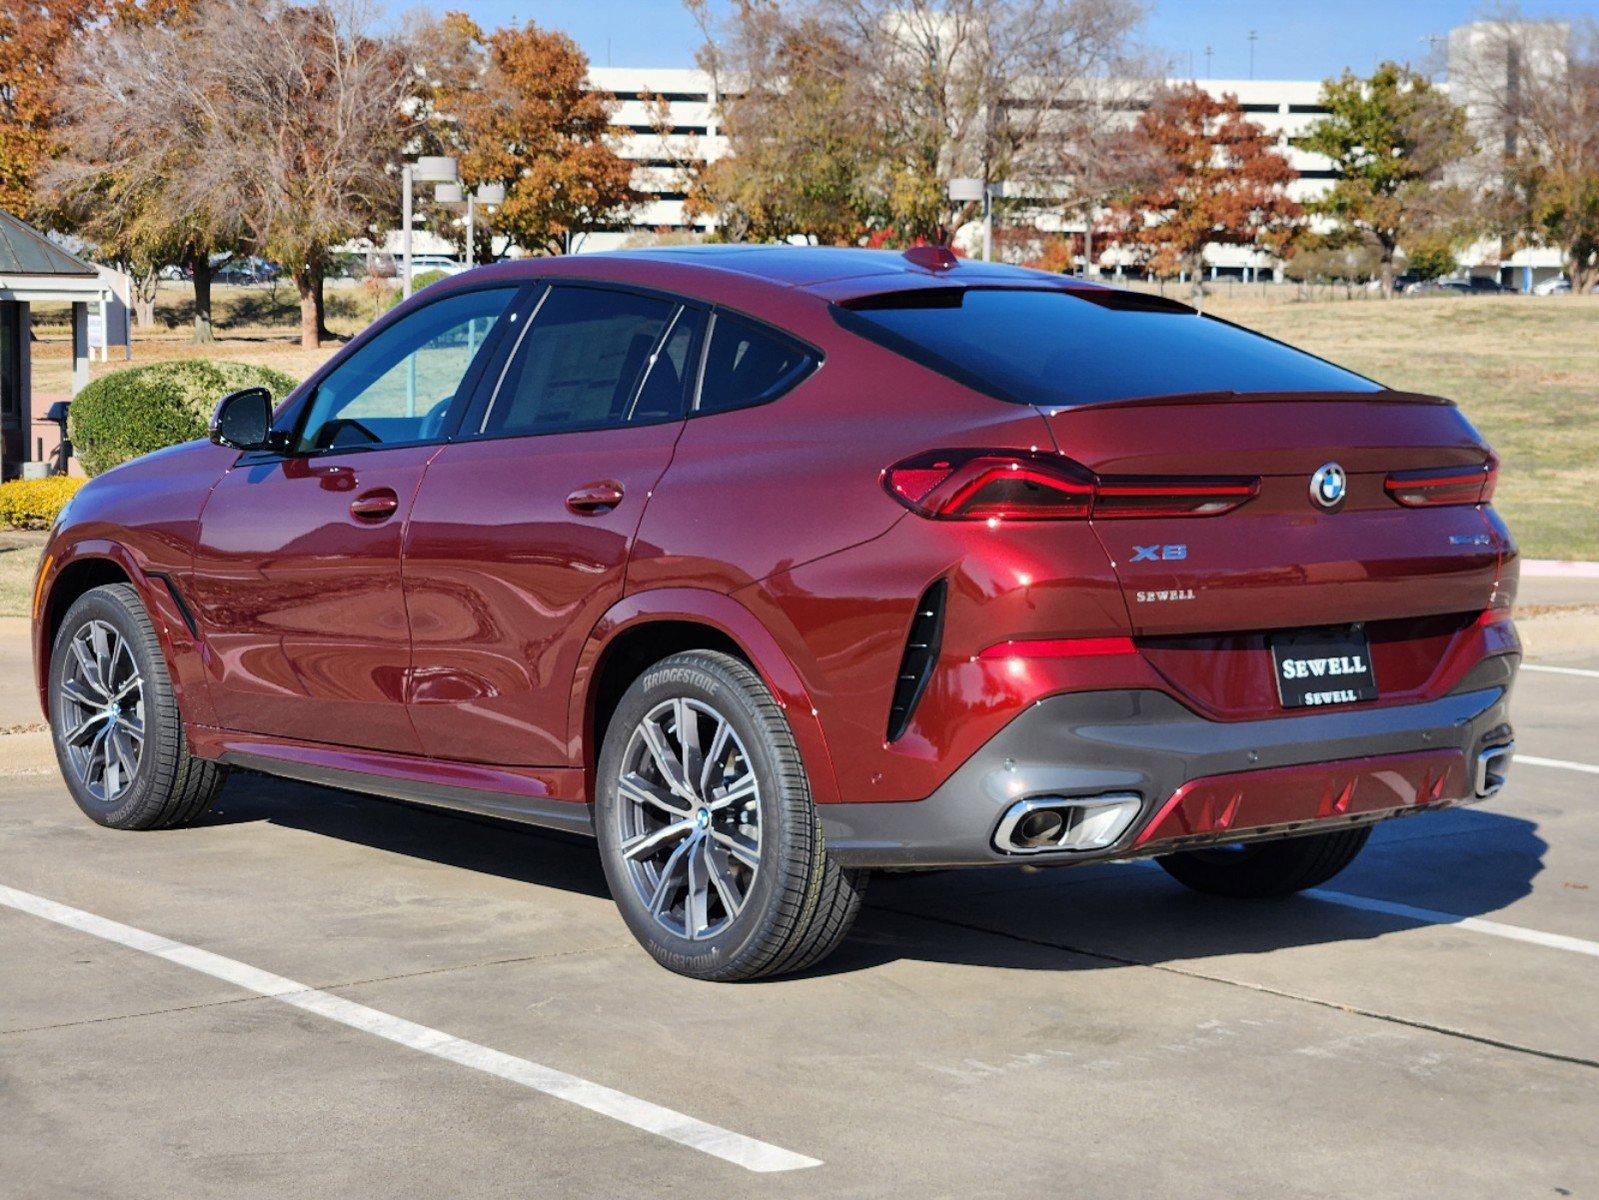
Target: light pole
490	196
454	195
963	191
1253	37
430	168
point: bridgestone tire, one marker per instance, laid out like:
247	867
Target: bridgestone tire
170	787
1265	870
800	904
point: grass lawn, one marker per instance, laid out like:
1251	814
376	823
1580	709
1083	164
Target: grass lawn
19	556
1524	369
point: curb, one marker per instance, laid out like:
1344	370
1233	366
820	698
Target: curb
1551	568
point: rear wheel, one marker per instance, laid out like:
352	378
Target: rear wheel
1262	870
118	734
711	845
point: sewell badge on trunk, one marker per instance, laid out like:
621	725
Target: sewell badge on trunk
1323	666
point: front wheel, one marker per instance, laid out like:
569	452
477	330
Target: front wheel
711	845
1265	870
114	717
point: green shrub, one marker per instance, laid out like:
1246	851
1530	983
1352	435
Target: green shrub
35	503
129	413
418	282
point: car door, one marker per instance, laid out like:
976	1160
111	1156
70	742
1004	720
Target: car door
519	538
296	586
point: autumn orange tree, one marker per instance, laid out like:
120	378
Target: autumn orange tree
1209	176
523	117
34	36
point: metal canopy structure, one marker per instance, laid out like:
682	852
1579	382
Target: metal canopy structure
34	269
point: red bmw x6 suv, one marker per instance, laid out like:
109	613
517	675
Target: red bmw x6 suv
771	566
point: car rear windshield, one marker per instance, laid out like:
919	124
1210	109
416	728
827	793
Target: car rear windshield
1060	348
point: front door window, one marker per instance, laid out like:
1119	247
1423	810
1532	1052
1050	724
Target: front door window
398	388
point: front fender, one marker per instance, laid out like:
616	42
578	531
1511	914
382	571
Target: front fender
727	616
180	647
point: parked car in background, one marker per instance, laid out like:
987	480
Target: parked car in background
1402	282
1474	285
442	263
773	566
249	272
1558	286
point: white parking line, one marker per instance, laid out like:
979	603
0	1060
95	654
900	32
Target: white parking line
1558	763
731	1147
1582	671
1431	916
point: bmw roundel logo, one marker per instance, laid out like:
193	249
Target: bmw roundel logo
1329	485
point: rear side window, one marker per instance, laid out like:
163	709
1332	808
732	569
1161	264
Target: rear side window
1057	349
589	360
746	364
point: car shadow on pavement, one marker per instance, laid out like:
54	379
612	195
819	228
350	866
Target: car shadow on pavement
1464	862
463	840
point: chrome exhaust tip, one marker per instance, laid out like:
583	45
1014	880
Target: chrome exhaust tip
1049	824
1493	768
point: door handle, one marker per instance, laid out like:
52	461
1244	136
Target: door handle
376	505
592	499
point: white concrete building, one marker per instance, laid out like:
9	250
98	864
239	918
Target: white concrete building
1285	107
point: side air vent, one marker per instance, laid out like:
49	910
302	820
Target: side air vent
921	653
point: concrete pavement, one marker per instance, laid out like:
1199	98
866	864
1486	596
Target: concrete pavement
1098	1032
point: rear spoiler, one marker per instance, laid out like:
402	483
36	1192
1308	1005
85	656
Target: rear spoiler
1385	396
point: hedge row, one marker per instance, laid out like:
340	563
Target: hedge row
129	413
35	503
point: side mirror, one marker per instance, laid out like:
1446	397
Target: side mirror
243	420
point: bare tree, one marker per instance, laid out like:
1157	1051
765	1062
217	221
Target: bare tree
938	89
1531	89
301	133
129	145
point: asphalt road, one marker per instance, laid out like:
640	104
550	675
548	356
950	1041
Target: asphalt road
454	1008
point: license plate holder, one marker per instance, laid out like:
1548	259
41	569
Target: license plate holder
1320	668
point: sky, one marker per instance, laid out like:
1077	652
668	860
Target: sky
1298	39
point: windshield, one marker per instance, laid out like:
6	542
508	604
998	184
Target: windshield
1059	348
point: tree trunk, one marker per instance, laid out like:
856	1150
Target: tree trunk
200	264
1584	275
1196	277
322	330
307	284
1386	252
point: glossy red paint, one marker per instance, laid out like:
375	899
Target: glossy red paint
459	634
503	580
300	598
1254	800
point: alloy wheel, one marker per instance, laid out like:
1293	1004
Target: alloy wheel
102	711
689	823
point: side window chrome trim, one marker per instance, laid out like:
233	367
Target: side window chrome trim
643	379
705	354
505	367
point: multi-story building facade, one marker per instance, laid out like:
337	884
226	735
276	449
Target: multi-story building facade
667	119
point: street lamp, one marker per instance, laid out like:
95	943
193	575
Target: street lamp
454	195
430	168
964	190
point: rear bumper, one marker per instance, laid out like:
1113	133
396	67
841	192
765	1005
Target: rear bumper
1197	781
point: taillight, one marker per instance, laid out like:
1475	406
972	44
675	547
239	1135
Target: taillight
1436	486
979	485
